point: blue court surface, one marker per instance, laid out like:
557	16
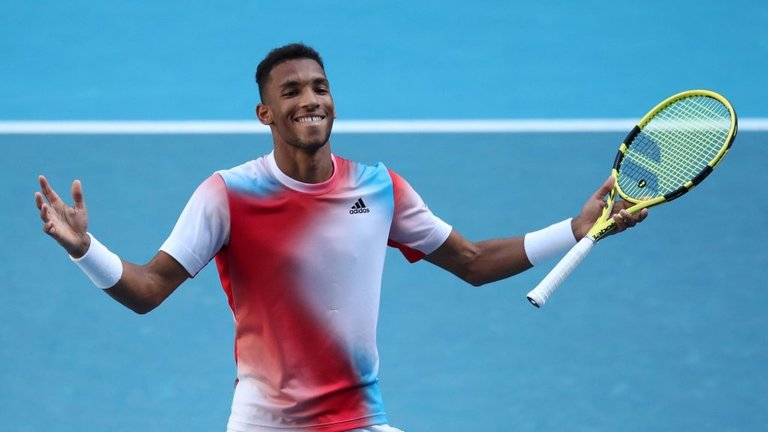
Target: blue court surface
660	329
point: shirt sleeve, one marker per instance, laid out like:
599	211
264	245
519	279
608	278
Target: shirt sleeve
415	230
202	228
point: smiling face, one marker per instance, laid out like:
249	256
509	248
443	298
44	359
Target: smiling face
297	105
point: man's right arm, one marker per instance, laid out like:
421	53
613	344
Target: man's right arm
143	288
139	287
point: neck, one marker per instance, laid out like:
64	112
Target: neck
305	166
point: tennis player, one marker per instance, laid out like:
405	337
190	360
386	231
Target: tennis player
299	238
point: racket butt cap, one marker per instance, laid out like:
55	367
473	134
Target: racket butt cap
533	301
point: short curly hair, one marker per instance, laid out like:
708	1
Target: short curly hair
280	55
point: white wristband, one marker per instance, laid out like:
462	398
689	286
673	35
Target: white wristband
103	267
546	243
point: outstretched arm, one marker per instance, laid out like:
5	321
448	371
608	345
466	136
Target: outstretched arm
139	287
487	261
482	262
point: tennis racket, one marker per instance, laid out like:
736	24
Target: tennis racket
671	150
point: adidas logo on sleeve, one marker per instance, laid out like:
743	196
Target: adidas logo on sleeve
359	207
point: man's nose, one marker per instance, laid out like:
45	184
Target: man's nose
309	99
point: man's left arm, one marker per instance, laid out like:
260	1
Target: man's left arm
487	261
479	263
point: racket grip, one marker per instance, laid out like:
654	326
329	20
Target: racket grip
539	295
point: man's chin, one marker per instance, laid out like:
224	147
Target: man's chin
316	141
310	144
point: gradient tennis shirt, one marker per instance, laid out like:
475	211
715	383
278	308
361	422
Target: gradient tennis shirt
301	265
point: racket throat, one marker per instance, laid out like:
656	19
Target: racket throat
601	230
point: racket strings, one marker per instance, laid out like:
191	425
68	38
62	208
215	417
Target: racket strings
702	130
675	169
697	141
674	147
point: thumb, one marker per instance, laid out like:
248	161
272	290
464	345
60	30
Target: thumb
77	195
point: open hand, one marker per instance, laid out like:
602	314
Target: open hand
66	224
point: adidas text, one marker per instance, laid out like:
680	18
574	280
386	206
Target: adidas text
359	207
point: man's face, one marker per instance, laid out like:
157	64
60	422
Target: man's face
298	104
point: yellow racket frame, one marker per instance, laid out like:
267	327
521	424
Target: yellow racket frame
605	224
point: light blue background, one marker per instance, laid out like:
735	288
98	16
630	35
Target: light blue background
86	59
669	338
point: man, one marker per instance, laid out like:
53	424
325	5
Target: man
305	299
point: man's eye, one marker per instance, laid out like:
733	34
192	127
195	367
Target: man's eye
289	93
321	90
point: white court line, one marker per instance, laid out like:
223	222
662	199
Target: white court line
340	126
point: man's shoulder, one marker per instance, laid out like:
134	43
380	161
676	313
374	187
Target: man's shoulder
250	167
251	176
362	169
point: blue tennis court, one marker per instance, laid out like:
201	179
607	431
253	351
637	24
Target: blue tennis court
667	338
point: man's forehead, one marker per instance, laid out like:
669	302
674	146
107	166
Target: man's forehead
297	70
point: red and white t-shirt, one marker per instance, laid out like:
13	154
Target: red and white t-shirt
301	265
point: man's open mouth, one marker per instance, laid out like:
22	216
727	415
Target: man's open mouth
309	119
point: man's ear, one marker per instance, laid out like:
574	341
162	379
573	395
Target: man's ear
264	114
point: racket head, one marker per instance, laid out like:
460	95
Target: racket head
674	147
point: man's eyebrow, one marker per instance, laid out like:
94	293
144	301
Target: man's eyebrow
297	83
289	83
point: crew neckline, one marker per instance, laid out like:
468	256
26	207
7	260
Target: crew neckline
291	183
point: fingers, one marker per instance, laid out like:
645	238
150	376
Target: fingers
624	219
50	195
46	212
643	214
77	194
47	223
39	200
604	189
45	216
43	207
45	201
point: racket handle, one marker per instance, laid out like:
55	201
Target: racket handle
539	295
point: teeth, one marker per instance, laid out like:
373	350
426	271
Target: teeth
309	119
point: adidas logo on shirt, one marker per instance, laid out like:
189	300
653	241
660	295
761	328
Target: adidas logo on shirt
359	207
